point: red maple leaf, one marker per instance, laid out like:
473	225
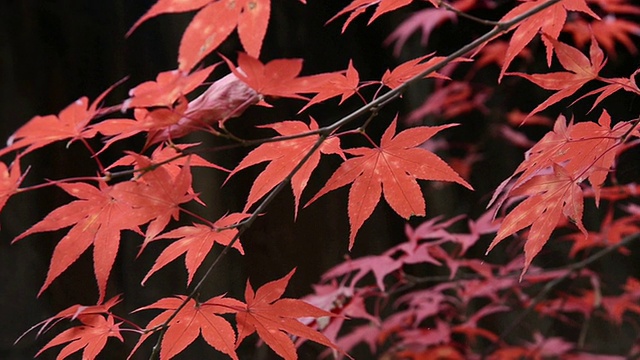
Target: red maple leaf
425	20
92	336
617	6
550	198
196	241
72	313
97	218
172	162
334	84
548	21
278	77
379	265
71	123
159	193
392	169
193	319
152	121
9	181
171	157
581	71
451	100
407	70
346	302
213	24
358	7
586	149
168	6
274	318
168	87
284	156
608	32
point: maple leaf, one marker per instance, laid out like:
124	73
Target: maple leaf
272	318
213	24
71	123
346	302
451	100
195	318
168	6
586	149
91	336
581	71
617	7
208	29
145	121
9	181
196	241
379	265
284	156
392	169
97	218
548	21
608	32
159	193
168	87
426	20
357	7
171	159
334	84
172	163
551	197
278	77
407	70
72	313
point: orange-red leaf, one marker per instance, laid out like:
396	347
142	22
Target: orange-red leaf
252	25
192	320
196	241
358	7
9	181
610	31
581	70
275	319
71	123
283	157
407	70
213	24
208	29
550	197
548	21
97	218
168	6
390	169
587	150
92	336
158	192
274	78
335	84
168	87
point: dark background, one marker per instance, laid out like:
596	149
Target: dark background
53	52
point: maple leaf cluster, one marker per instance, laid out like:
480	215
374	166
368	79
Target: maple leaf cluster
406	311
